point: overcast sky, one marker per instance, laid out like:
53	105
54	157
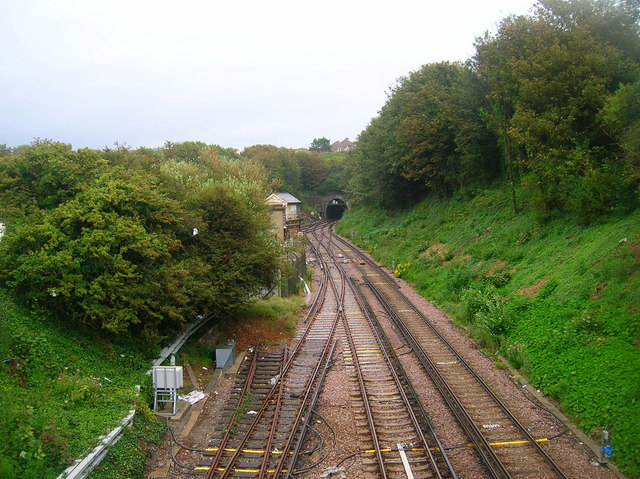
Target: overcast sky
235	73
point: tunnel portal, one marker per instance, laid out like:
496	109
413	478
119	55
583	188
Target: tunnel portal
335	209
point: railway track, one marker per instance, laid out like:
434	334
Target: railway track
268	416
393	427
266	426
505	446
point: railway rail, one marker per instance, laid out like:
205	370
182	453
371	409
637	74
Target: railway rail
267	419
262	444
505	446
393	425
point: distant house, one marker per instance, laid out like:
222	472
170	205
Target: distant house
342	145
285	213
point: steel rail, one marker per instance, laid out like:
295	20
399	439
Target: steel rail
365	398
408	406
274	423
485	451
484	448
279	385
266	402
394	366
302	411
227	434
321	289
305	425
402	380
495	467
358	370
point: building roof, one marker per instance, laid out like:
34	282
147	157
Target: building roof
342	145
287	198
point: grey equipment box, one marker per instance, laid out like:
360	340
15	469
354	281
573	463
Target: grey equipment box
225	355
166	382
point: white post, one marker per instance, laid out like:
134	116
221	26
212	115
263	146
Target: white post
405	462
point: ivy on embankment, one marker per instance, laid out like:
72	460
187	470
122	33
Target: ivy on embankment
66	389
558	299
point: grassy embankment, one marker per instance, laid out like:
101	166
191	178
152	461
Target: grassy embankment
561	301
69	387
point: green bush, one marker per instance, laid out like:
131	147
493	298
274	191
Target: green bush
516	354
131	244
487	312
498	278
458	277
402	270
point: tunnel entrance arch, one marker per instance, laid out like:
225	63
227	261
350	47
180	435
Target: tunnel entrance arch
334	205
335	209
329	205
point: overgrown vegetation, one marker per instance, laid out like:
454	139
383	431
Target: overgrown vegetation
67	388
244	407
103	248
549	101
478	182
559	299
130	242
71	385
127	459
267	320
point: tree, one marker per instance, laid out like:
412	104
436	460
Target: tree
430	137
186	151
283	170
337	177
135	244
100	259
442	142
621	119
43	175
4	151
313	169
548	77
375	180
320	145
489	63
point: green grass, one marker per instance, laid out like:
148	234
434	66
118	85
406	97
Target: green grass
274	313
575	335
69	388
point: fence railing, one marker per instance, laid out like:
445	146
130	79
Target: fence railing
81	468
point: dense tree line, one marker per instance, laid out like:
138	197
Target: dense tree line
134	242
299	171
550	101
139	241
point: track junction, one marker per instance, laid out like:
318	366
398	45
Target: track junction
267	428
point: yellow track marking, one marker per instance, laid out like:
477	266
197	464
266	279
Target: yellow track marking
366	451
248	451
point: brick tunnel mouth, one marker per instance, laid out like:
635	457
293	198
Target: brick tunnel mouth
336	209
